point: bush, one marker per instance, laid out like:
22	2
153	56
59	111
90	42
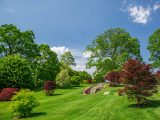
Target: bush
139	81
7	93
121	92
114	78
49	87
23	103
15	72
63	79
75	80
84	76
87	81
98	77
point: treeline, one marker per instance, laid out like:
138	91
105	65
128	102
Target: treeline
26	64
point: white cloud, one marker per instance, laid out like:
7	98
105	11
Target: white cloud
156	6
87	54
59	50
80	58
139	14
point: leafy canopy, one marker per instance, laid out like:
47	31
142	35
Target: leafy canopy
111	49
154	48
139	80
14	41
67	58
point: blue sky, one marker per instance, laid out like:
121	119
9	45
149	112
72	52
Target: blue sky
73	24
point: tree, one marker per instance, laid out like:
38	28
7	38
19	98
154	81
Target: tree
47	64
139	81
154	48
111	49
13	41
67	58
15	71
85	76
63	79
75	80
114	77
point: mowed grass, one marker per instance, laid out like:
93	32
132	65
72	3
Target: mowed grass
70	104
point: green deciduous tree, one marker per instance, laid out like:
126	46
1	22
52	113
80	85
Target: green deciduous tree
154	48
111	49
15	71
67	58
14	41
63	78
47	64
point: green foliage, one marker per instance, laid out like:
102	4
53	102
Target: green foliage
15	71
75	80
67	58
23	103
111	49
98	77
63	79
84	76
14	41
47	64
154	48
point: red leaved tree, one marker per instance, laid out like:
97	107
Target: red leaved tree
49	87
114	78
139	81
158	76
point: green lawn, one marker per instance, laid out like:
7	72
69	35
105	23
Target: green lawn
70	104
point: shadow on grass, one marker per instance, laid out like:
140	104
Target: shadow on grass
56	94
149	104
38	114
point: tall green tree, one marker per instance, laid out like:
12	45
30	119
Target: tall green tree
47	64
111	49
67	58
13	41
154	48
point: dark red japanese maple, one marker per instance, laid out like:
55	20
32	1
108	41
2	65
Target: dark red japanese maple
139	81
49	87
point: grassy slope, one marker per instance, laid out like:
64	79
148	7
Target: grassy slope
70	104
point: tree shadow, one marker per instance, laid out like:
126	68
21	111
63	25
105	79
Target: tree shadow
37	114
56	94
149	104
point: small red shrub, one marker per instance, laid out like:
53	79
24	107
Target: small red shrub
7	93
49	87
114	78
